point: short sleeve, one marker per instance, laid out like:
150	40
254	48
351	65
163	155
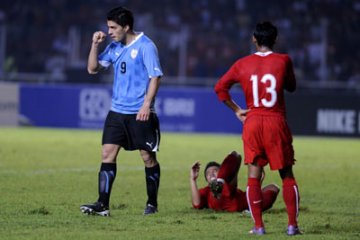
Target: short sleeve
203	198
151	60
104	58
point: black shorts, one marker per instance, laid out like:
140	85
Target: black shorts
126	131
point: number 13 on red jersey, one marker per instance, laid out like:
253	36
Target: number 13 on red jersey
269	89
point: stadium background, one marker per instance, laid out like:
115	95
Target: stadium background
44	47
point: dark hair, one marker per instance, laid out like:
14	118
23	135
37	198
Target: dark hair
210	164
265	34
121	16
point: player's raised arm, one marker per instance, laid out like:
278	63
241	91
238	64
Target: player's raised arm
195	195
93	66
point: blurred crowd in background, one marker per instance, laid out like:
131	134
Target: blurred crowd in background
195	38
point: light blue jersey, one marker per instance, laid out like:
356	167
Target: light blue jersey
134	65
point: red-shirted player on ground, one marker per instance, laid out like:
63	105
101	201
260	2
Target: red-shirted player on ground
231	198
264	76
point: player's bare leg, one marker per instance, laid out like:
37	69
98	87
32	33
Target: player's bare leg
109	153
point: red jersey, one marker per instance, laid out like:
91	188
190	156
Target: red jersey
262	76
232	200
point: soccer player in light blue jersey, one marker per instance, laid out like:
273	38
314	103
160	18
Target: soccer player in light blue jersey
131	122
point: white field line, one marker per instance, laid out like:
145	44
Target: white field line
76	170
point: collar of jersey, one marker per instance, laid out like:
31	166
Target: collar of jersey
136	38
263	54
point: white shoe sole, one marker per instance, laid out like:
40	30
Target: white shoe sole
90	211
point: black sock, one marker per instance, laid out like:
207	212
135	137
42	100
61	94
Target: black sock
152	176
107	176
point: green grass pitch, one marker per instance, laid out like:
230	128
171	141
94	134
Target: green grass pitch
46	174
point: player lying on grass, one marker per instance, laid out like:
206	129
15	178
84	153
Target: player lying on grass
226	196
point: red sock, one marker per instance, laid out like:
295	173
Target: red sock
255	201
229	168
269	197
291	198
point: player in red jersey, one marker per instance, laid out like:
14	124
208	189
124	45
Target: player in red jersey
231	198
264	76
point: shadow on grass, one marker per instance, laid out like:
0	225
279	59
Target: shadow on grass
39	211
283	210
120	206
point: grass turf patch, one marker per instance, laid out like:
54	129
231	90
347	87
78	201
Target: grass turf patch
46	174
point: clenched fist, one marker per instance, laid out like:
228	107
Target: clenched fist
98	37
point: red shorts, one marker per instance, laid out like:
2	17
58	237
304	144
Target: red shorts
267	139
